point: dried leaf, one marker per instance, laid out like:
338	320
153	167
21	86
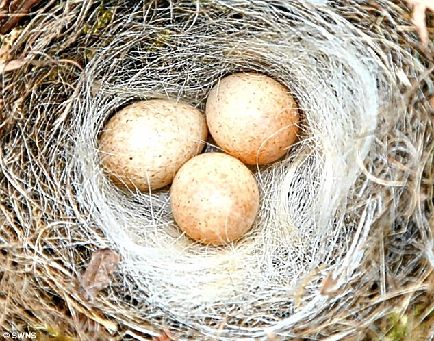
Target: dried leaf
11	65
98	272
419	8
328	285
301	285
165	336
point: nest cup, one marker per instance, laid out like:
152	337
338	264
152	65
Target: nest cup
303	223
319	204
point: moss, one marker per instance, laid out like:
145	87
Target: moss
399	327
49	333
408	327
103	18
161	39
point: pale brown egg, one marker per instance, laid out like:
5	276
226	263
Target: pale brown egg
143	145
252	117
214	198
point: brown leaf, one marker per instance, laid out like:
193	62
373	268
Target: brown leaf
11	65
165	336
98	272
328	285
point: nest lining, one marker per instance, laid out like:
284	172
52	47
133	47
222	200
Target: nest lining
340	86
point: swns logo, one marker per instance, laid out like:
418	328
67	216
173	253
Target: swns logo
19	335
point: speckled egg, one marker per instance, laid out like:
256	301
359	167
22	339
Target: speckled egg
214	198
252	117
143	145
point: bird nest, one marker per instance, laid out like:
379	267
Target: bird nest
343	229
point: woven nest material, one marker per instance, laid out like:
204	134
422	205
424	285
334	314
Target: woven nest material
343	231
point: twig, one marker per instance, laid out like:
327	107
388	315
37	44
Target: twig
11	12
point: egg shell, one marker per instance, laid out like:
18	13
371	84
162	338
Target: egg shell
143	145
252	117
214	198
